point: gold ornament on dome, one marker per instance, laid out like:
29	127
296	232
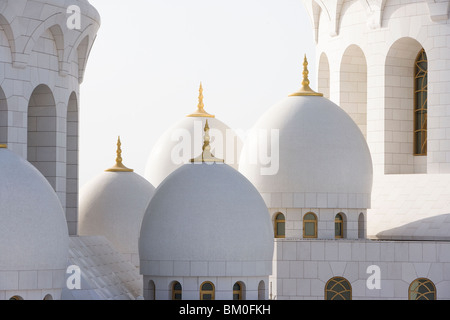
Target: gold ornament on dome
200	112
305	90
119	167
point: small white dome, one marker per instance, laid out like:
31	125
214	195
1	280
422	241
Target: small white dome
33	224
182	142
206	212
113	205
321	151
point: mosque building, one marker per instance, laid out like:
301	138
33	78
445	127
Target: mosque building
355	204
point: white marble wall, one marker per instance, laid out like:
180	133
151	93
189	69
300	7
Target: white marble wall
389	34
191	287
31	285
325	221
303	267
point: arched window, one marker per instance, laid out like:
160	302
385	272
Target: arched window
176	291
422	289
237	291
420	103
151	294
338	226
261	290
338	288
280	222
207	291
310	225
48	297
16	298
361	226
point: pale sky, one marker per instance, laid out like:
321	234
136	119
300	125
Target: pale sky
150	56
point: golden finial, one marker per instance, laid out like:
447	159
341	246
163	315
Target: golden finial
200	98
305	90
119	167
200	107
305	81
206	155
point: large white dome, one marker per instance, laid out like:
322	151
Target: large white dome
206	213
322	153
33	224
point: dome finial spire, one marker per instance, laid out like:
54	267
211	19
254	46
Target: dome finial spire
305	90
119	167
201	105
305	82
200	112
206	155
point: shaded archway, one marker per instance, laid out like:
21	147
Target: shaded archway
323	77
353	86
72	164
82	52
3	118
42	132
399	109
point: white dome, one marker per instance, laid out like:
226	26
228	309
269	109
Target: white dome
182	142
206	213
113	205
33	224
321	152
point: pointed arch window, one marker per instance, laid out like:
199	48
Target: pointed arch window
310	225
280	222
422	289
420	103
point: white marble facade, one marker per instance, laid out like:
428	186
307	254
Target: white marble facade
366	52
43	55
303	267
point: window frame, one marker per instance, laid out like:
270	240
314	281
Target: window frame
426	281
203	292
177	291
310	221
341	222
276	222
416	108
237	291
338	280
